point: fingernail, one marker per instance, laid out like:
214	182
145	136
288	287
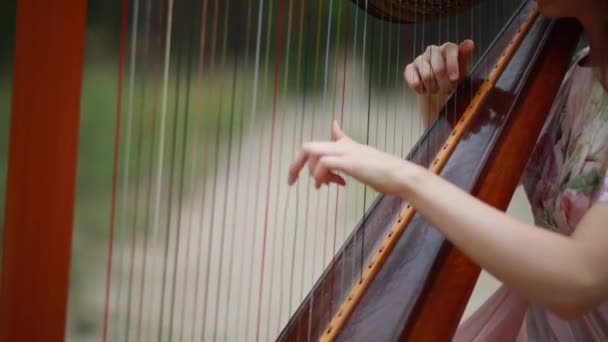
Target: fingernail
454	77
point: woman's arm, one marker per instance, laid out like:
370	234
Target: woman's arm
567	275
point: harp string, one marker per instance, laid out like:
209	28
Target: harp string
149	176
185	136
270	168
316	112
259	192
349	125
118	115
401	35
327	229
216	162
320	72
238	177
280	255
367	131
249	166
246	161
327	190
144	57
342	123
193	174
298	136
218	215
202	74
174	193
328	239
127	150
153	113
386	85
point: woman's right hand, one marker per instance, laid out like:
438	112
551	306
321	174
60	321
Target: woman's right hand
439	69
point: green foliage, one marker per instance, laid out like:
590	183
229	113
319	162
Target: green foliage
7	30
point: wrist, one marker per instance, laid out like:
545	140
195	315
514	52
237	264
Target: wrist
413	178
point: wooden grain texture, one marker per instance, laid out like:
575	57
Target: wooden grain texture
41	169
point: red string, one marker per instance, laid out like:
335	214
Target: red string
121	66
277	65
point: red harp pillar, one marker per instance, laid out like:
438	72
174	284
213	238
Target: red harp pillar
43	146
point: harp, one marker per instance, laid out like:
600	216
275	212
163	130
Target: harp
204	62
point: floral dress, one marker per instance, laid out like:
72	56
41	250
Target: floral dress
565	176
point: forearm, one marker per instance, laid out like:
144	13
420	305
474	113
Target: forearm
542	265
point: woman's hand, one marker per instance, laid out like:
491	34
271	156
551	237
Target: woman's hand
434	75
379	170
439	69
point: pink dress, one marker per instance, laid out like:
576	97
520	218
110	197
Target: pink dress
565	176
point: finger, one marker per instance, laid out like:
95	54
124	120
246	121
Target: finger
312	164
320	174
428	78
450	51
323	148
329	179
465	49
423	89
323	174
336	132
413	79
334	178
439	68
296	167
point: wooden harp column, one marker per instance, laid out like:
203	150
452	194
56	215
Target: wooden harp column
41	181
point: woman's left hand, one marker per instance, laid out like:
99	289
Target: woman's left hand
326	160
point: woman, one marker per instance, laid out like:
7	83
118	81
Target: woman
556	279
